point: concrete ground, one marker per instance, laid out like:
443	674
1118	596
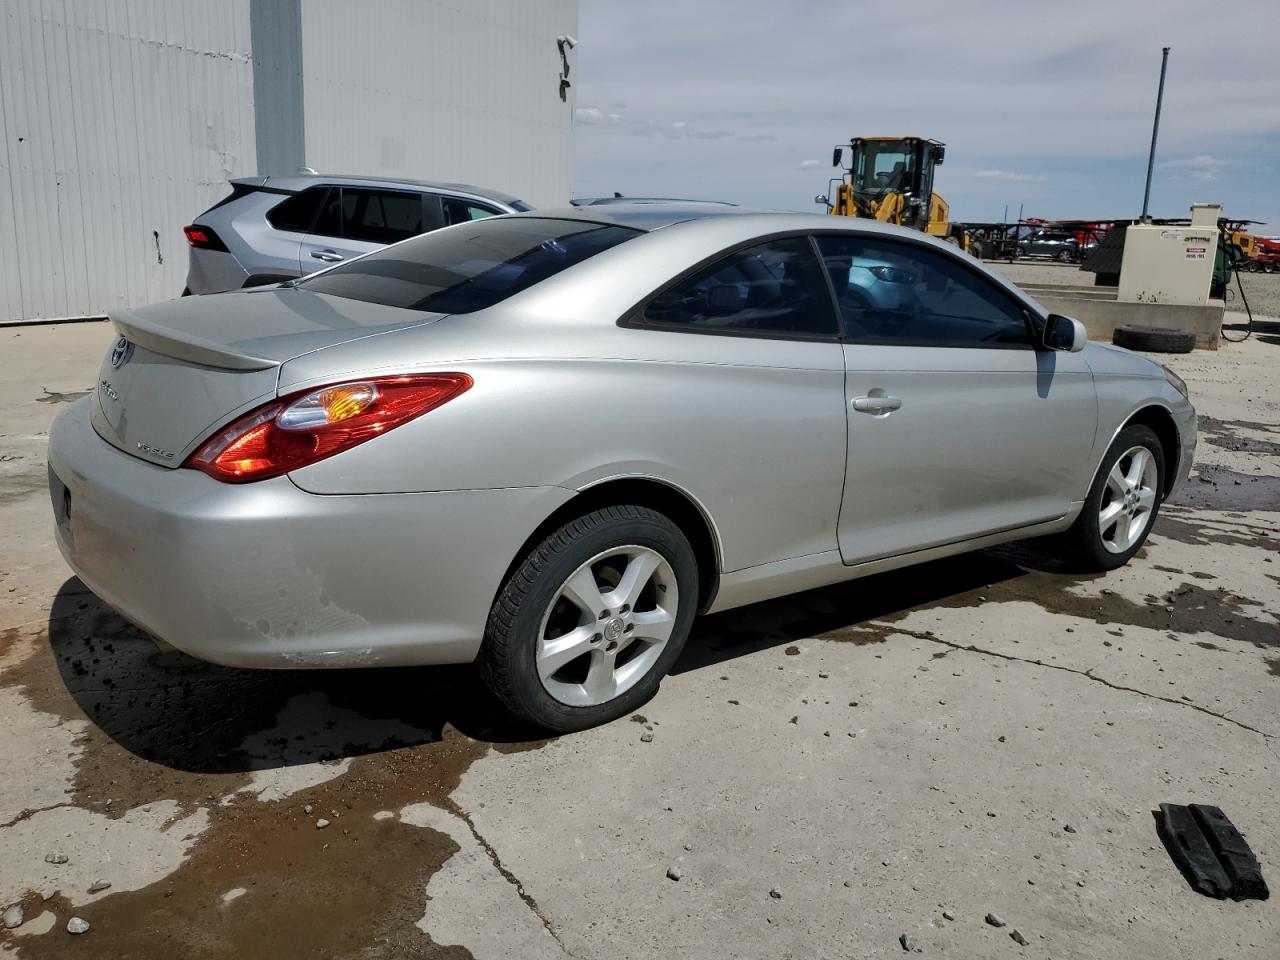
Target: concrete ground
827	773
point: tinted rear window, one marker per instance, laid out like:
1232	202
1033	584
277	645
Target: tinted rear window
468	267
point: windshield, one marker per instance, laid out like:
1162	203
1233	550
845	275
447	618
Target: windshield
470	266
881	167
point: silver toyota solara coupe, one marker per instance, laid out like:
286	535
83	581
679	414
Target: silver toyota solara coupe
544	442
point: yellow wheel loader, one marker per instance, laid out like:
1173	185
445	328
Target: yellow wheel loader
890	179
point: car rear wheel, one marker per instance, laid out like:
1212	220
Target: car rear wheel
592	619
1064	256
1122	503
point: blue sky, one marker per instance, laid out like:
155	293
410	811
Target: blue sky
1043	104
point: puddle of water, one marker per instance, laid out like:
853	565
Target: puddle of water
1221	488
166	726
1226	434
865	611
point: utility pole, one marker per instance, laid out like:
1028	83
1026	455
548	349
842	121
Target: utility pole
1155	131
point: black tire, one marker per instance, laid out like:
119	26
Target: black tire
975	249
1022	253
1065	256
1083	544
1154	339
507	660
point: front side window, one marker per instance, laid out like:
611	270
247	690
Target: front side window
775	288
906	294
471	267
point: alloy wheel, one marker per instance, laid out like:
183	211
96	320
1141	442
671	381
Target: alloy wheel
607	625
1128	500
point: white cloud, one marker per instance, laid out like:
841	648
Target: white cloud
808	163
594	116
1202	162
1007	175
1203	168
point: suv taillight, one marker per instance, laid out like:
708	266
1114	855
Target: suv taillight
299	430
203	238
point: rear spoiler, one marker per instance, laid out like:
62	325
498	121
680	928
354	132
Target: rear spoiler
193	349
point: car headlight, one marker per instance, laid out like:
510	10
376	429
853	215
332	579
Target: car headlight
1177	382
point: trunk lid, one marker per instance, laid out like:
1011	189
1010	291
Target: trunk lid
189	366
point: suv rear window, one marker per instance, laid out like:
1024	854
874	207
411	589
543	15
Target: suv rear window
297	213
468	267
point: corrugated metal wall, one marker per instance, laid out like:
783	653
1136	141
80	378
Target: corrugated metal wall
121	120
446	90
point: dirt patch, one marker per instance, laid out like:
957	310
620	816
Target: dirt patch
1273	666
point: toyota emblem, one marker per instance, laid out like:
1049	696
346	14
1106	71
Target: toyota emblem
120	352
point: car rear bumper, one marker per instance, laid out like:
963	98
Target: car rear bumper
267	575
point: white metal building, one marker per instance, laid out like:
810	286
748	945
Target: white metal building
123	119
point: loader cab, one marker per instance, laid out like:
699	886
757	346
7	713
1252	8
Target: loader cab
881	168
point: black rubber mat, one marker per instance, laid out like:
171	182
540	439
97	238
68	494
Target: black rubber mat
1210	852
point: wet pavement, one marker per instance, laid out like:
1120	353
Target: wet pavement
876	753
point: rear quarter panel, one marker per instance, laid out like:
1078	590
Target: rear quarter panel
752	430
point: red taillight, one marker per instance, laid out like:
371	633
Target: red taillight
202	238
306	427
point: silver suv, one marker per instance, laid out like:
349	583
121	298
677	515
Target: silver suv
271	229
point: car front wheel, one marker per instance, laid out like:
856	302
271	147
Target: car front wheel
592	619
1122	503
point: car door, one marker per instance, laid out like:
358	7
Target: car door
749	395
354	221
958	426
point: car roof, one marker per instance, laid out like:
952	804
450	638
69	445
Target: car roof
654	214
301	181
646	213
723	226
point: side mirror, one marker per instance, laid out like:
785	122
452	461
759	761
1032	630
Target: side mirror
836	156
826	202
1064	333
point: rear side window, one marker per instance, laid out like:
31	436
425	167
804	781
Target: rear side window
298	212
906	294
460	211
470	267
380	216
774	289
375	216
